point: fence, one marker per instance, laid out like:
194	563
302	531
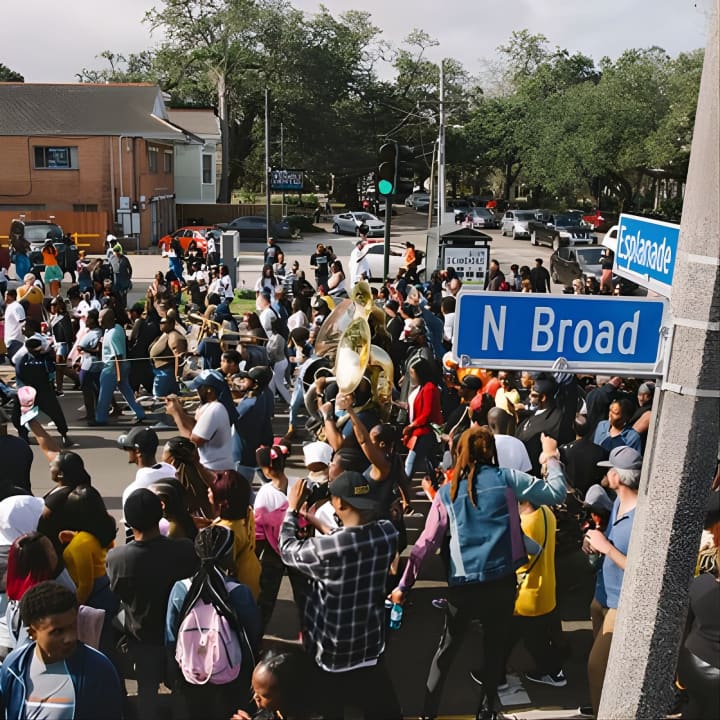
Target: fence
223	213
88	229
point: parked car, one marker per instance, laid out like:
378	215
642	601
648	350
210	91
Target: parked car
482	218
559	229
36	232
349	224
601	221
515	223
375	257
410	199
186	235
254	227
568	263
627	287
421	202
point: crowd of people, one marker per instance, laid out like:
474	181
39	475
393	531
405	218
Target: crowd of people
511	464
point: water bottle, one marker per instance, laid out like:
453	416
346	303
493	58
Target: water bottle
396	614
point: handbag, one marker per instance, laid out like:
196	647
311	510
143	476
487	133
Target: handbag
522	575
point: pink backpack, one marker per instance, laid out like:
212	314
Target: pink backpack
208	649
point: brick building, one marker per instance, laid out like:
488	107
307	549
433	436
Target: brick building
103	152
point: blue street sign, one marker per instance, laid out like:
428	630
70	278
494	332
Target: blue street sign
646	252
288	180
532	331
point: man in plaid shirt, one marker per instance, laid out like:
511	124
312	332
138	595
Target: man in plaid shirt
344	615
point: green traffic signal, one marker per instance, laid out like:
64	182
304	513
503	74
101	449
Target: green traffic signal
385	187
387	169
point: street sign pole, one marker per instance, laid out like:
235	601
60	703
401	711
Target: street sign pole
386	249
682	445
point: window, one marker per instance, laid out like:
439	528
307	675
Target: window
167	161
56	158
207	169
84	208
152	159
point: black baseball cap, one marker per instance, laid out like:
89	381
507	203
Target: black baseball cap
354	489
140	438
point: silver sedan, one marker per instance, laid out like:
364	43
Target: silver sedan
349	224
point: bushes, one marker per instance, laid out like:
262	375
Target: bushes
300	223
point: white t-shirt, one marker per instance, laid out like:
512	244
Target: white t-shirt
266	318
213	425
448	322
297	319
146	476
512	453
14	320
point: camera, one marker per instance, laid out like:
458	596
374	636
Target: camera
317	492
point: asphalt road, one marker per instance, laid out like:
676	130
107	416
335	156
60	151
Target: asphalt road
410	649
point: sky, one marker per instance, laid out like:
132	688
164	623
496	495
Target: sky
68	36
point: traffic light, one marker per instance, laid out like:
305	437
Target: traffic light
405	173
387	168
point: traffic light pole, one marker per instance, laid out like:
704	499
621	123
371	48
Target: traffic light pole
386	251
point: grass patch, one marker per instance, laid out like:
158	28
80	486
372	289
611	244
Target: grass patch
241	305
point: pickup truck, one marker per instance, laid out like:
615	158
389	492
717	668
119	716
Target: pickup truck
560	229
32	235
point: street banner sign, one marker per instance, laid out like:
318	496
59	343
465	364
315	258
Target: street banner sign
646	252
287	180
580	333
470	262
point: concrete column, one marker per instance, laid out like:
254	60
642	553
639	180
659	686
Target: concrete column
684	437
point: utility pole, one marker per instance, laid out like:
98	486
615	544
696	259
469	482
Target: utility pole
683	442
282	164
267	166
431	188
441	153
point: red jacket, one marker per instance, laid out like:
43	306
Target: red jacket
426	410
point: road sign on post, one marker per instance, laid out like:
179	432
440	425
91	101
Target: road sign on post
532	331
646	252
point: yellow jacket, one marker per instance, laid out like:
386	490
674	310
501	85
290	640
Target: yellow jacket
245	561
85	561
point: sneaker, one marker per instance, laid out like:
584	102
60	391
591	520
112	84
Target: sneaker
67	442
557	680
475	677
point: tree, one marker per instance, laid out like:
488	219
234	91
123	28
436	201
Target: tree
8	75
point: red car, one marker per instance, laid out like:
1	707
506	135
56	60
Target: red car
186	235
601	220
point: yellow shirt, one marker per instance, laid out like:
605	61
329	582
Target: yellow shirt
537	592
85	561
247	565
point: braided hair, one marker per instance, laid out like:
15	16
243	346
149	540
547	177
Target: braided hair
213	545
184	458
476	446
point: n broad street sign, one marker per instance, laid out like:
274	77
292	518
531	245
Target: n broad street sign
592	334
646	252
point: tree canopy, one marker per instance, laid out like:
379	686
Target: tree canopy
560	123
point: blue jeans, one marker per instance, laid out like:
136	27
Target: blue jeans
22	265
164	382
424	445
297	402
108	383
